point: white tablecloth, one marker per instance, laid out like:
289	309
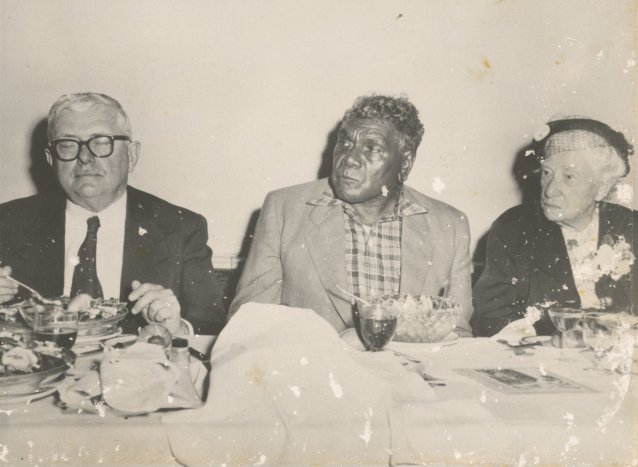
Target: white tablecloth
41	433
465	423
597	428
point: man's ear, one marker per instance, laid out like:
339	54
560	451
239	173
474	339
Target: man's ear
49	156
406	165
133	152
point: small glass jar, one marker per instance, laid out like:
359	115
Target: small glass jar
180	357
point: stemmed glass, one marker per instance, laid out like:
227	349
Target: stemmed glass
377	323
565	319
602	331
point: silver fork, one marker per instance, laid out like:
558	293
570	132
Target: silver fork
518	346
34	293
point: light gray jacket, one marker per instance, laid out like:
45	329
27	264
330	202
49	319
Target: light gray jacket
298	255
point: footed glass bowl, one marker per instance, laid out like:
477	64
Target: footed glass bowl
422	318
102	317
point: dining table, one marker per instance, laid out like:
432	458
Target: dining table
489	403
41	432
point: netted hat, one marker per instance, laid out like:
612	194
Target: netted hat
573	134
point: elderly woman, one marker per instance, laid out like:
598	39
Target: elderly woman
570	249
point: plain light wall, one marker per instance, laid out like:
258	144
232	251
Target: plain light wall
232	99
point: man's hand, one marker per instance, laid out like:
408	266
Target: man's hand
8	288
158	305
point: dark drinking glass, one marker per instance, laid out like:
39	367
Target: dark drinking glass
54	323
377	325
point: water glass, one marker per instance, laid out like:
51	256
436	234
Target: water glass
54	323
605	335
377	323
565	319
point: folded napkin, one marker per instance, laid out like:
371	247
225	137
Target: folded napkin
131	381
285	389
137	379
515	331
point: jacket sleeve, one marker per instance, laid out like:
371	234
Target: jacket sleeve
496	294
201	297
460	277
261	279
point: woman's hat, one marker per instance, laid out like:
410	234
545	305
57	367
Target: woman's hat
572	134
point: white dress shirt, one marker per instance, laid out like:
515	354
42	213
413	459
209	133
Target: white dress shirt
110	244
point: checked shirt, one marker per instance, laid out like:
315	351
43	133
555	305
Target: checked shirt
372	253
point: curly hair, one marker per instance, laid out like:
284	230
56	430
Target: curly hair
398	111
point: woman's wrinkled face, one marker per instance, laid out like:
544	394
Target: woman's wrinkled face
569	188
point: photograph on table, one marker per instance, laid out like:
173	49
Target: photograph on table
531	380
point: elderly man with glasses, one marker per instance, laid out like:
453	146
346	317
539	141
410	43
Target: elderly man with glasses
103	238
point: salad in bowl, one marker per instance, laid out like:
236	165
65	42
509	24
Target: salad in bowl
30	366
96	316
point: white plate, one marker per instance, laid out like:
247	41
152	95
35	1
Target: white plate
85	340
87	349
89	344
451	339
19	399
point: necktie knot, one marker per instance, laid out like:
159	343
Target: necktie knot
92	224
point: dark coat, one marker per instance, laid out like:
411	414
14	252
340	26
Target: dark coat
527	264
172	253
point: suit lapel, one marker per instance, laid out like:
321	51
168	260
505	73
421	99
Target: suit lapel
144	245
326	245
416	253
44	249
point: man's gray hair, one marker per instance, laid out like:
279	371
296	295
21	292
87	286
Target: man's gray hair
82	101
398	111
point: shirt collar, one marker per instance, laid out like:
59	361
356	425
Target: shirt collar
403	208
116	210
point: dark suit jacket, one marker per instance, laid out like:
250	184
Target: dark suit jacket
172	252
297	255
527	264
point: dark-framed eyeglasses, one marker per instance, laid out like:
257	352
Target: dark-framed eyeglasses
68	149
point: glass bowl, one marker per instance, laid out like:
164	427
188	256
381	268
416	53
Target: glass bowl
422	318
101	318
